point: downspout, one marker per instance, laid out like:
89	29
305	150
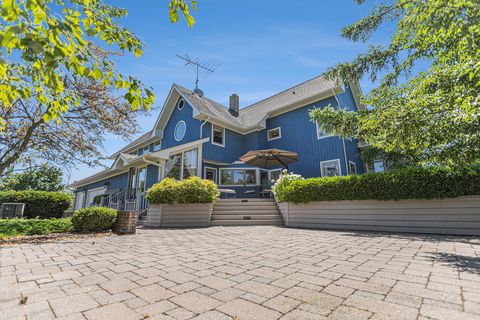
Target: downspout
343	139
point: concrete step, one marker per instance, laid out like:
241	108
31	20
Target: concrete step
252	208
273	217
246	223
246	212
246	200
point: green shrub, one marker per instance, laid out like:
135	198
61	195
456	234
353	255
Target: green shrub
190	190
93	219
42	204
27	227
98	198
410	183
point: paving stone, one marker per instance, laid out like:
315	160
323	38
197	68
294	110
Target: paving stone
153	293
243	309
118	285
180	314
156	308
212	315
215	282
377	306
315	298
195	302
72	304
258	288
439	313
349	313
282	303
302	315
112	312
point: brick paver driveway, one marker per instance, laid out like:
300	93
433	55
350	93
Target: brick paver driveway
244	273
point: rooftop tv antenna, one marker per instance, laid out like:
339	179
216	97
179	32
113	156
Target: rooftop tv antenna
203	68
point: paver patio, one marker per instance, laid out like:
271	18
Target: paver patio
244	273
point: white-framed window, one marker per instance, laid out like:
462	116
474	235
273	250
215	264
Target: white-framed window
378	166
320	133
211	174
352	167
330	168
218	135
273	134
157	145
238	177
180	104
180	130
182	165
146	149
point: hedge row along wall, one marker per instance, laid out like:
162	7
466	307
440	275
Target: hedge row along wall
412	183
42	204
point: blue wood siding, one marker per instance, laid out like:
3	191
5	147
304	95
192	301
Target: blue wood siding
152	175
116	182
193	127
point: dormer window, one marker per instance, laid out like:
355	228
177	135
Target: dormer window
180	104
218	135
273	134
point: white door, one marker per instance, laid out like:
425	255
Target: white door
141	188
79	200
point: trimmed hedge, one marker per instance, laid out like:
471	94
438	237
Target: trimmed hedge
190	190
41	204
28	227
93	219
410	183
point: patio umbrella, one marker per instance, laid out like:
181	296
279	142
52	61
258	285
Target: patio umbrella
269	158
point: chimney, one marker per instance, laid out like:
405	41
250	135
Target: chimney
234	105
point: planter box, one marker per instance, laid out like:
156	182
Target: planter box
460	216
179	215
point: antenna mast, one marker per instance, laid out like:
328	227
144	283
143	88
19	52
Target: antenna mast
203	68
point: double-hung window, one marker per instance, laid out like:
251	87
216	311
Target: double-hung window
330	168
218	135
274	134
320	133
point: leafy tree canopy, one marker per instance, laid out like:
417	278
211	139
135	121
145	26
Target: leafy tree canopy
431	116
44	177
46	43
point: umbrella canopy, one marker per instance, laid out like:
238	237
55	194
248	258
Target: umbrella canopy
269	158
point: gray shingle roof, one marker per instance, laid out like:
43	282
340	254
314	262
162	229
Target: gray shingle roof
252	115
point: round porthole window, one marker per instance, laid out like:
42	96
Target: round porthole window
181	104
180	130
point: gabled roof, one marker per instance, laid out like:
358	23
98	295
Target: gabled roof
250	118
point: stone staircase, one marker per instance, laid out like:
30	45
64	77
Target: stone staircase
242	212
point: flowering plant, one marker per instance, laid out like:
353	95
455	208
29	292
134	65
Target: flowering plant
283	182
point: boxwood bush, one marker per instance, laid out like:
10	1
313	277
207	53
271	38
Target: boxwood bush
93	219
410	183
41	204
28	227
190	190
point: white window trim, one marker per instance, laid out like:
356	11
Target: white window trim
178	104
318	132
89	191
349	168
339	166
215	143
210	168
159	145
175	130
379	160
182	154
238	185
275	138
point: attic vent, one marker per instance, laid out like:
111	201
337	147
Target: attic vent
234	105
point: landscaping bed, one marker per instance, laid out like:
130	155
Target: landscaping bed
53	237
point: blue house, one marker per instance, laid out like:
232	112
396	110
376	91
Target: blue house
196	136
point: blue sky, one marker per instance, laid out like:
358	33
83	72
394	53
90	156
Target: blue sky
264	46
